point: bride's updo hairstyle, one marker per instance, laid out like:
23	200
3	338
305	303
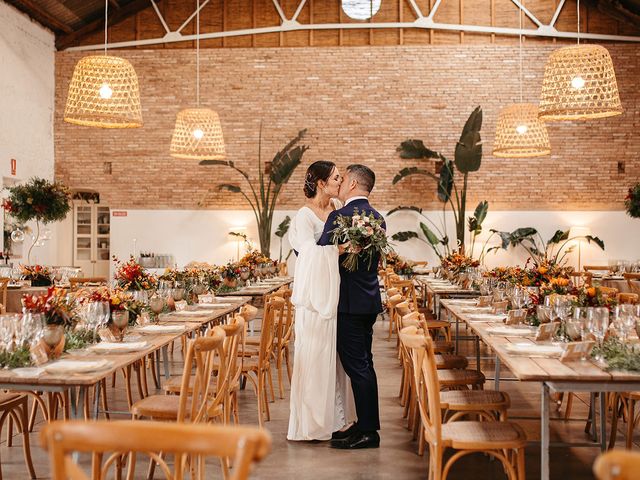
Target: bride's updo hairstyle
320	170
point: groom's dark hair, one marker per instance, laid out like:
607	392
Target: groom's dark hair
364	175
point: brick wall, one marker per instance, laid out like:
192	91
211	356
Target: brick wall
358	104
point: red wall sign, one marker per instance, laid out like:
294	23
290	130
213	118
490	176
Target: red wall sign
119	213
14	166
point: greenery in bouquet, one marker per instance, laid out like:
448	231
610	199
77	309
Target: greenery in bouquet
38	275
130	275
172	275
227	288
38	199
512	275
400	265
458	262
366	236
230	271
57	307
632	201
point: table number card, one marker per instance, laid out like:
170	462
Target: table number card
39	354
181	305
577	351
500	307
206	298
515	317
106	335
546	331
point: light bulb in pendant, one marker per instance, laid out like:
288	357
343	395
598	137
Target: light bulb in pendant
105	91
198	134
577	82
522	129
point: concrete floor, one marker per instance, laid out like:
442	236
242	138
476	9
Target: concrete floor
396	459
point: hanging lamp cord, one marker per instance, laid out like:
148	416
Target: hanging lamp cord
198	53
520	47
578	3
106	16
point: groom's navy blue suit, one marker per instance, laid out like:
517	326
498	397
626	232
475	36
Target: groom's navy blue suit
358	308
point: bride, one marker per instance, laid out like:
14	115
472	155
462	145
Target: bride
321	397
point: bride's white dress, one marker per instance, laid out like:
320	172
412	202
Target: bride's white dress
321	397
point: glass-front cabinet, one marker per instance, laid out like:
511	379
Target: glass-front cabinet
91	239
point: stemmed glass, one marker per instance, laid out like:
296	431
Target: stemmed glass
157	303
598	323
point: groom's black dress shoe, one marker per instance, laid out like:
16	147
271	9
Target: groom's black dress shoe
341	435
358	440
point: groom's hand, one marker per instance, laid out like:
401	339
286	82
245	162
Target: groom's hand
344	248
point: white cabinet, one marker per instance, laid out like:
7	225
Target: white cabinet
91	239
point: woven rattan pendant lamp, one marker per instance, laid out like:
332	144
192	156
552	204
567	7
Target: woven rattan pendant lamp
197	133
104	91
519	131
579	83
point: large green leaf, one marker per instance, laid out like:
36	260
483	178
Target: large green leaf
445	181
404	209
404	236
475	222
283	227
468	154
431	237
415	149
595	240
229	187
287	159
559	236
408	171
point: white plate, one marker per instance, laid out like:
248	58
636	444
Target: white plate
191	313
487	317
113	347
205	306
476	309
511	331
28	371
533	350
76	366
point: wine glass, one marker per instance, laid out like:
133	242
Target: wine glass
157	303
120	320
598	322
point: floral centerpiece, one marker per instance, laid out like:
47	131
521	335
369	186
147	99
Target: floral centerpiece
537	275
400	265
513	275
56	307
119	300
457	262
130	275
632	201
39	200
586	296
38	275
366	236
172	275
230	274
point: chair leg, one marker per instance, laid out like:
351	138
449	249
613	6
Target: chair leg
154	375
10	432
26	447
103	394
279	368
127	382
520	467
567	411
630	423
615	413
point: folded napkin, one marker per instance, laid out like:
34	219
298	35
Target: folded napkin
76	366
28	372
487	317
118	347
214	305
534	350
476	309
463	301
230	298
161	329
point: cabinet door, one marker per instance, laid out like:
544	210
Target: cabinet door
83	238
102	241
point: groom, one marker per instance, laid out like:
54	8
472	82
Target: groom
358	308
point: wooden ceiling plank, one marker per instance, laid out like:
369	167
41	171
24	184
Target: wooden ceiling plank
118	16
52	21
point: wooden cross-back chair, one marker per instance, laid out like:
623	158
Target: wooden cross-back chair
597	268
188	444
633	280
581	278
4	282
284	335
86	282
504	441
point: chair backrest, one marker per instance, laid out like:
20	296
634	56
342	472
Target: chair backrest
426	380
407	290
633	280
4	282
229	373
597	268
273	311
617	465
286	328
608	291
75	283
202	353
182	442
631	298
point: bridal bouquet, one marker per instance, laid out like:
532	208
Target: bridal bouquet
366	235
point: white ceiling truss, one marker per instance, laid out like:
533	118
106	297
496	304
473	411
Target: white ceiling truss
422	21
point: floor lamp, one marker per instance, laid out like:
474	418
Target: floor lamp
580	232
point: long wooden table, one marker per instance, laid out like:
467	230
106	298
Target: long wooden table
554	375
258	290
80	383
436	290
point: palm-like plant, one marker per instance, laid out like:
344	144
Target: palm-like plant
263	195
281	231
468	157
